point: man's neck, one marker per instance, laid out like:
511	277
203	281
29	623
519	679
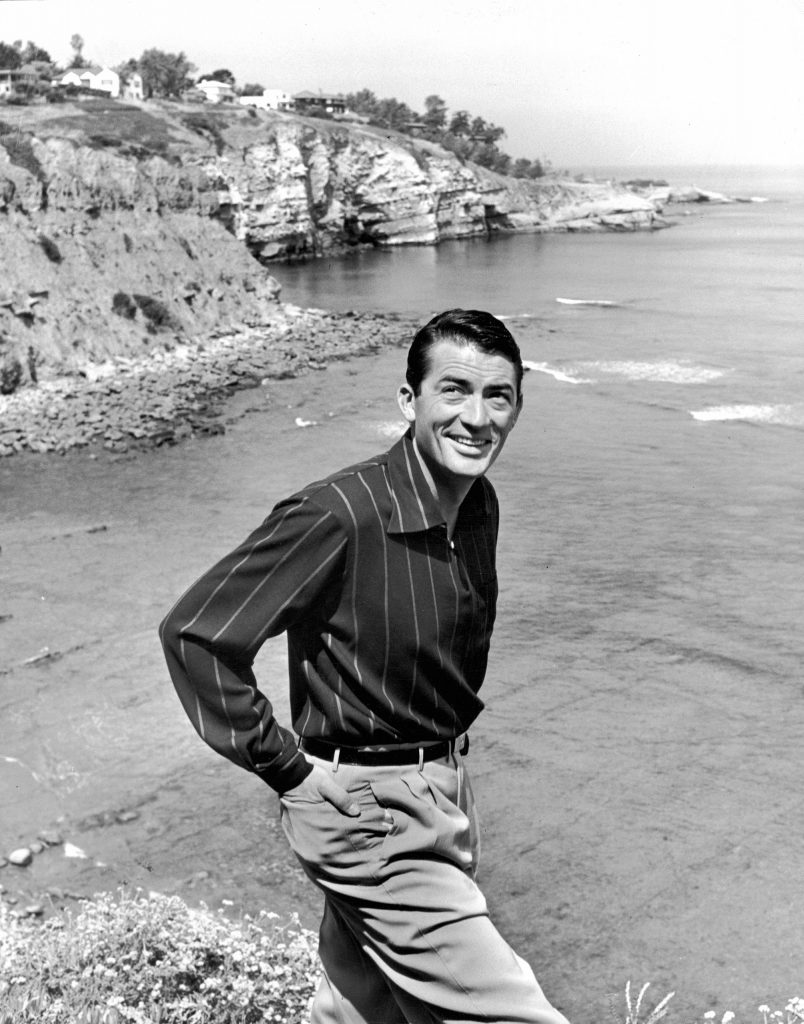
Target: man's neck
448	495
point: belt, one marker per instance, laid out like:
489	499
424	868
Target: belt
390	755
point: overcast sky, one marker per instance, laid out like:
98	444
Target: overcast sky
584	83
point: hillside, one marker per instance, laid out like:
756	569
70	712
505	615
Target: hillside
126	227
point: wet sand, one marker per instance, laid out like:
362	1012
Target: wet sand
94	742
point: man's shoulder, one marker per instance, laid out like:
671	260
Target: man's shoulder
348	490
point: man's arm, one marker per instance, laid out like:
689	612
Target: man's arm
212	635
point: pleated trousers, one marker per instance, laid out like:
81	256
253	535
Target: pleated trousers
406	936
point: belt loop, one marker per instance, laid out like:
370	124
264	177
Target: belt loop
336	760
421	759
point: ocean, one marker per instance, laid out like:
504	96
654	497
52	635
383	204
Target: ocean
637	765
638	759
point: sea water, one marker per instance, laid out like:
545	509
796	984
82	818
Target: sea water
638	764
637	760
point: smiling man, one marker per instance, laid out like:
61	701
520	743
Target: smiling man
383	577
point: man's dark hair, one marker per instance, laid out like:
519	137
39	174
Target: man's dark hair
466	327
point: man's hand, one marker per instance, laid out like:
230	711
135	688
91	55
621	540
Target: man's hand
319	785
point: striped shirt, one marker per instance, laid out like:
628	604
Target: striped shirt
388	622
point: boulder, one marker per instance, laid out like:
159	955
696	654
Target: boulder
21	858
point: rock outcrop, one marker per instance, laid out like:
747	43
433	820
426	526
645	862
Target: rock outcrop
125	228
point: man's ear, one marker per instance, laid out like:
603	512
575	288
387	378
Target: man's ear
405	398
518	407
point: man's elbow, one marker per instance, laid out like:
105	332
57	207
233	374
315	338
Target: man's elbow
170	632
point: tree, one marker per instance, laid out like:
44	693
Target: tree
221	75
32	52
164	74
392	113
435	113
363	102
9	57
252	89
459	123
77	44
127	70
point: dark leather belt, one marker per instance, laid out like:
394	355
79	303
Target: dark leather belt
389	755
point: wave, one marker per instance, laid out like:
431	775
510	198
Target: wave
664	372
782	415
588	302
390	428
552	371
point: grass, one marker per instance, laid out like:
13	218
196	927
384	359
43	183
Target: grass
636	1011
110	124
152	958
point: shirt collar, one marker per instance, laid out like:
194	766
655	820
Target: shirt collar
413	506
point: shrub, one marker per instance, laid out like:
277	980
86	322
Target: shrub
102	140
33	362
150	958
186	246
157	314
123	305
20	151
10	375
206	125
50	249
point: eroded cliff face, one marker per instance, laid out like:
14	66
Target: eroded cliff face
104	254
310	188
124	228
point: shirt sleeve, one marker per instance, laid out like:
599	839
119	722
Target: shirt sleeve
213	633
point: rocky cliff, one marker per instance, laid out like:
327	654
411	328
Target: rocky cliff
124	228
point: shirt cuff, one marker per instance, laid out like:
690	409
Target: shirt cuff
287	776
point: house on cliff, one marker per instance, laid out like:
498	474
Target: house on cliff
133	88
269	99
216	92
99	79
310	102
18	81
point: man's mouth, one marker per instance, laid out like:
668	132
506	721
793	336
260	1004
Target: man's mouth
477	443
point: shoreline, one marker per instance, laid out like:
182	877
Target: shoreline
141	403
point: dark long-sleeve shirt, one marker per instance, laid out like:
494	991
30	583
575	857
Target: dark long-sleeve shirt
388	622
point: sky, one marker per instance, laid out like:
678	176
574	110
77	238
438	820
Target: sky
585	84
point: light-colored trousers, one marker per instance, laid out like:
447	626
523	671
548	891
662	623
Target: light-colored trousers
406	934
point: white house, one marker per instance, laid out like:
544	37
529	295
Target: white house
133	87
96	78
269	99
216	92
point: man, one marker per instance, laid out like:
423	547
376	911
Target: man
383	577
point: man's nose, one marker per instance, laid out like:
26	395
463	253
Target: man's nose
474	412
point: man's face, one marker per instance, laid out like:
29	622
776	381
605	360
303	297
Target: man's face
466	407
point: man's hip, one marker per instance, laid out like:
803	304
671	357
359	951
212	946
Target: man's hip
425	808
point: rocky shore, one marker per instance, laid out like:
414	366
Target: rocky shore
128	403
